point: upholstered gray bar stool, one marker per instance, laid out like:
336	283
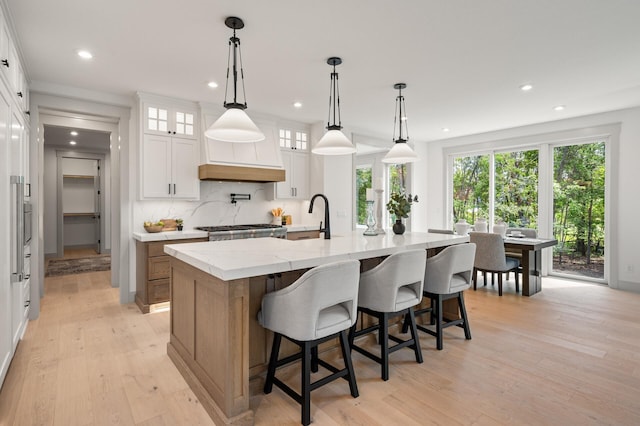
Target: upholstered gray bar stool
490	257
447	276
390	289
320	305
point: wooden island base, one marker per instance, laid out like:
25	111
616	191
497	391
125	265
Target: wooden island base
216	342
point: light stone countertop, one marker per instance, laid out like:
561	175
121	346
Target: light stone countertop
234	259
170	235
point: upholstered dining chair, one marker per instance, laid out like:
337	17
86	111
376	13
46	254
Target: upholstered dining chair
447	275
390	289
490	257
318	306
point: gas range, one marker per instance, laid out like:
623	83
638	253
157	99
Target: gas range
236	232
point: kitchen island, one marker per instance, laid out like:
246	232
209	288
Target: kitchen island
216	291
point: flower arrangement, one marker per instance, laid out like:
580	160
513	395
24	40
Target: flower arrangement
399	204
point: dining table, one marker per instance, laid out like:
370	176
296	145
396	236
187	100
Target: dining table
531	262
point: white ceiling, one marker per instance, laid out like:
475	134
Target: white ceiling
86	140
463	60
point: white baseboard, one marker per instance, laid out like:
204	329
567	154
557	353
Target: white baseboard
629	286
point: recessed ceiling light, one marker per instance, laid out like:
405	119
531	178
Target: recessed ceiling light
72	142
297	104
526	87
212	84
445	129
558	107
85	54
73	133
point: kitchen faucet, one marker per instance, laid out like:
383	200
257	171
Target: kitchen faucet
327	227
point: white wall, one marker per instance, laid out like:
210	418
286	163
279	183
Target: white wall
50	221
625	202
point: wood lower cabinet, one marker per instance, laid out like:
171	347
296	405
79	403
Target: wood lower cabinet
152	272
303	235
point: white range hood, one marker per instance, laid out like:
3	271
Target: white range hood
243	162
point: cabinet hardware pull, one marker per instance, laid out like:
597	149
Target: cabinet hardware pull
5	62
174	189
27	276
27	303
19	94
28	255
169	189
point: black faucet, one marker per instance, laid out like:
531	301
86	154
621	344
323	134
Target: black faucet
327	226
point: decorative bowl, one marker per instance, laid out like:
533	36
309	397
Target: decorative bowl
153	228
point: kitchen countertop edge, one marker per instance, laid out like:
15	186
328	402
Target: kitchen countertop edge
169	235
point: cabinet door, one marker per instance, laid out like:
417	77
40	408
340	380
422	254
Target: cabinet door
185	156
6	307
156	167
156	120
285	189
300	175
183	123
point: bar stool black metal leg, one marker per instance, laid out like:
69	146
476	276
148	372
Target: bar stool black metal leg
314	359
383	336
439	322
273	361
306	383
346	355
463	314
414	335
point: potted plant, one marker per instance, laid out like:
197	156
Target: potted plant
399	206
179	223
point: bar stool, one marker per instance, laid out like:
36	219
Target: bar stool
318	306
490	257
390	289
447	276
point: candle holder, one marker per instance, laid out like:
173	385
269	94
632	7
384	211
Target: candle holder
379	229
371	222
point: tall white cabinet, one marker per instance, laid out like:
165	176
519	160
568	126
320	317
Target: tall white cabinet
170	149
15	255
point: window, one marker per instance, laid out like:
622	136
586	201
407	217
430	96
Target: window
557	188
578	209
363	182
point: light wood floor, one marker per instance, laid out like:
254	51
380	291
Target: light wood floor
567	356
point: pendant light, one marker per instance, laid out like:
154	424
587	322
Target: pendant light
234	125
401	152
334	142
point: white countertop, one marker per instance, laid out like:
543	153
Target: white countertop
234	259
169	235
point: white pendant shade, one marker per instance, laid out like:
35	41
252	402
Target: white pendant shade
401	153
334	142
234	126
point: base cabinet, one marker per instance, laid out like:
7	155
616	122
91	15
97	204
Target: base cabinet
152	272
303	235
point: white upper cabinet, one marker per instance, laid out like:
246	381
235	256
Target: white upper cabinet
170	120
295	158
12	70
169	149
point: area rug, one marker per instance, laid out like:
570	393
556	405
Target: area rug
57	267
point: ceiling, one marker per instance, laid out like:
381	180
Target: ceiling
463	60
86	140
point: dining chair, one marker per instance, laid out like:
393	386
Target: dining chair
390	289
490	257
318	306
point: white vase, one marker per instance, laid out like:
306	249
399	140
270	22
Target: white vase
462	227
500	228
480	225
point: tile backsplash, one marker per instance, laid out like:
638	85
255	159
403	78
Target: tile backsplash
215	207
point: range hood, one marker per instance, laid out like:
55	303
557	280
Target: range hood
243	162
238	173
